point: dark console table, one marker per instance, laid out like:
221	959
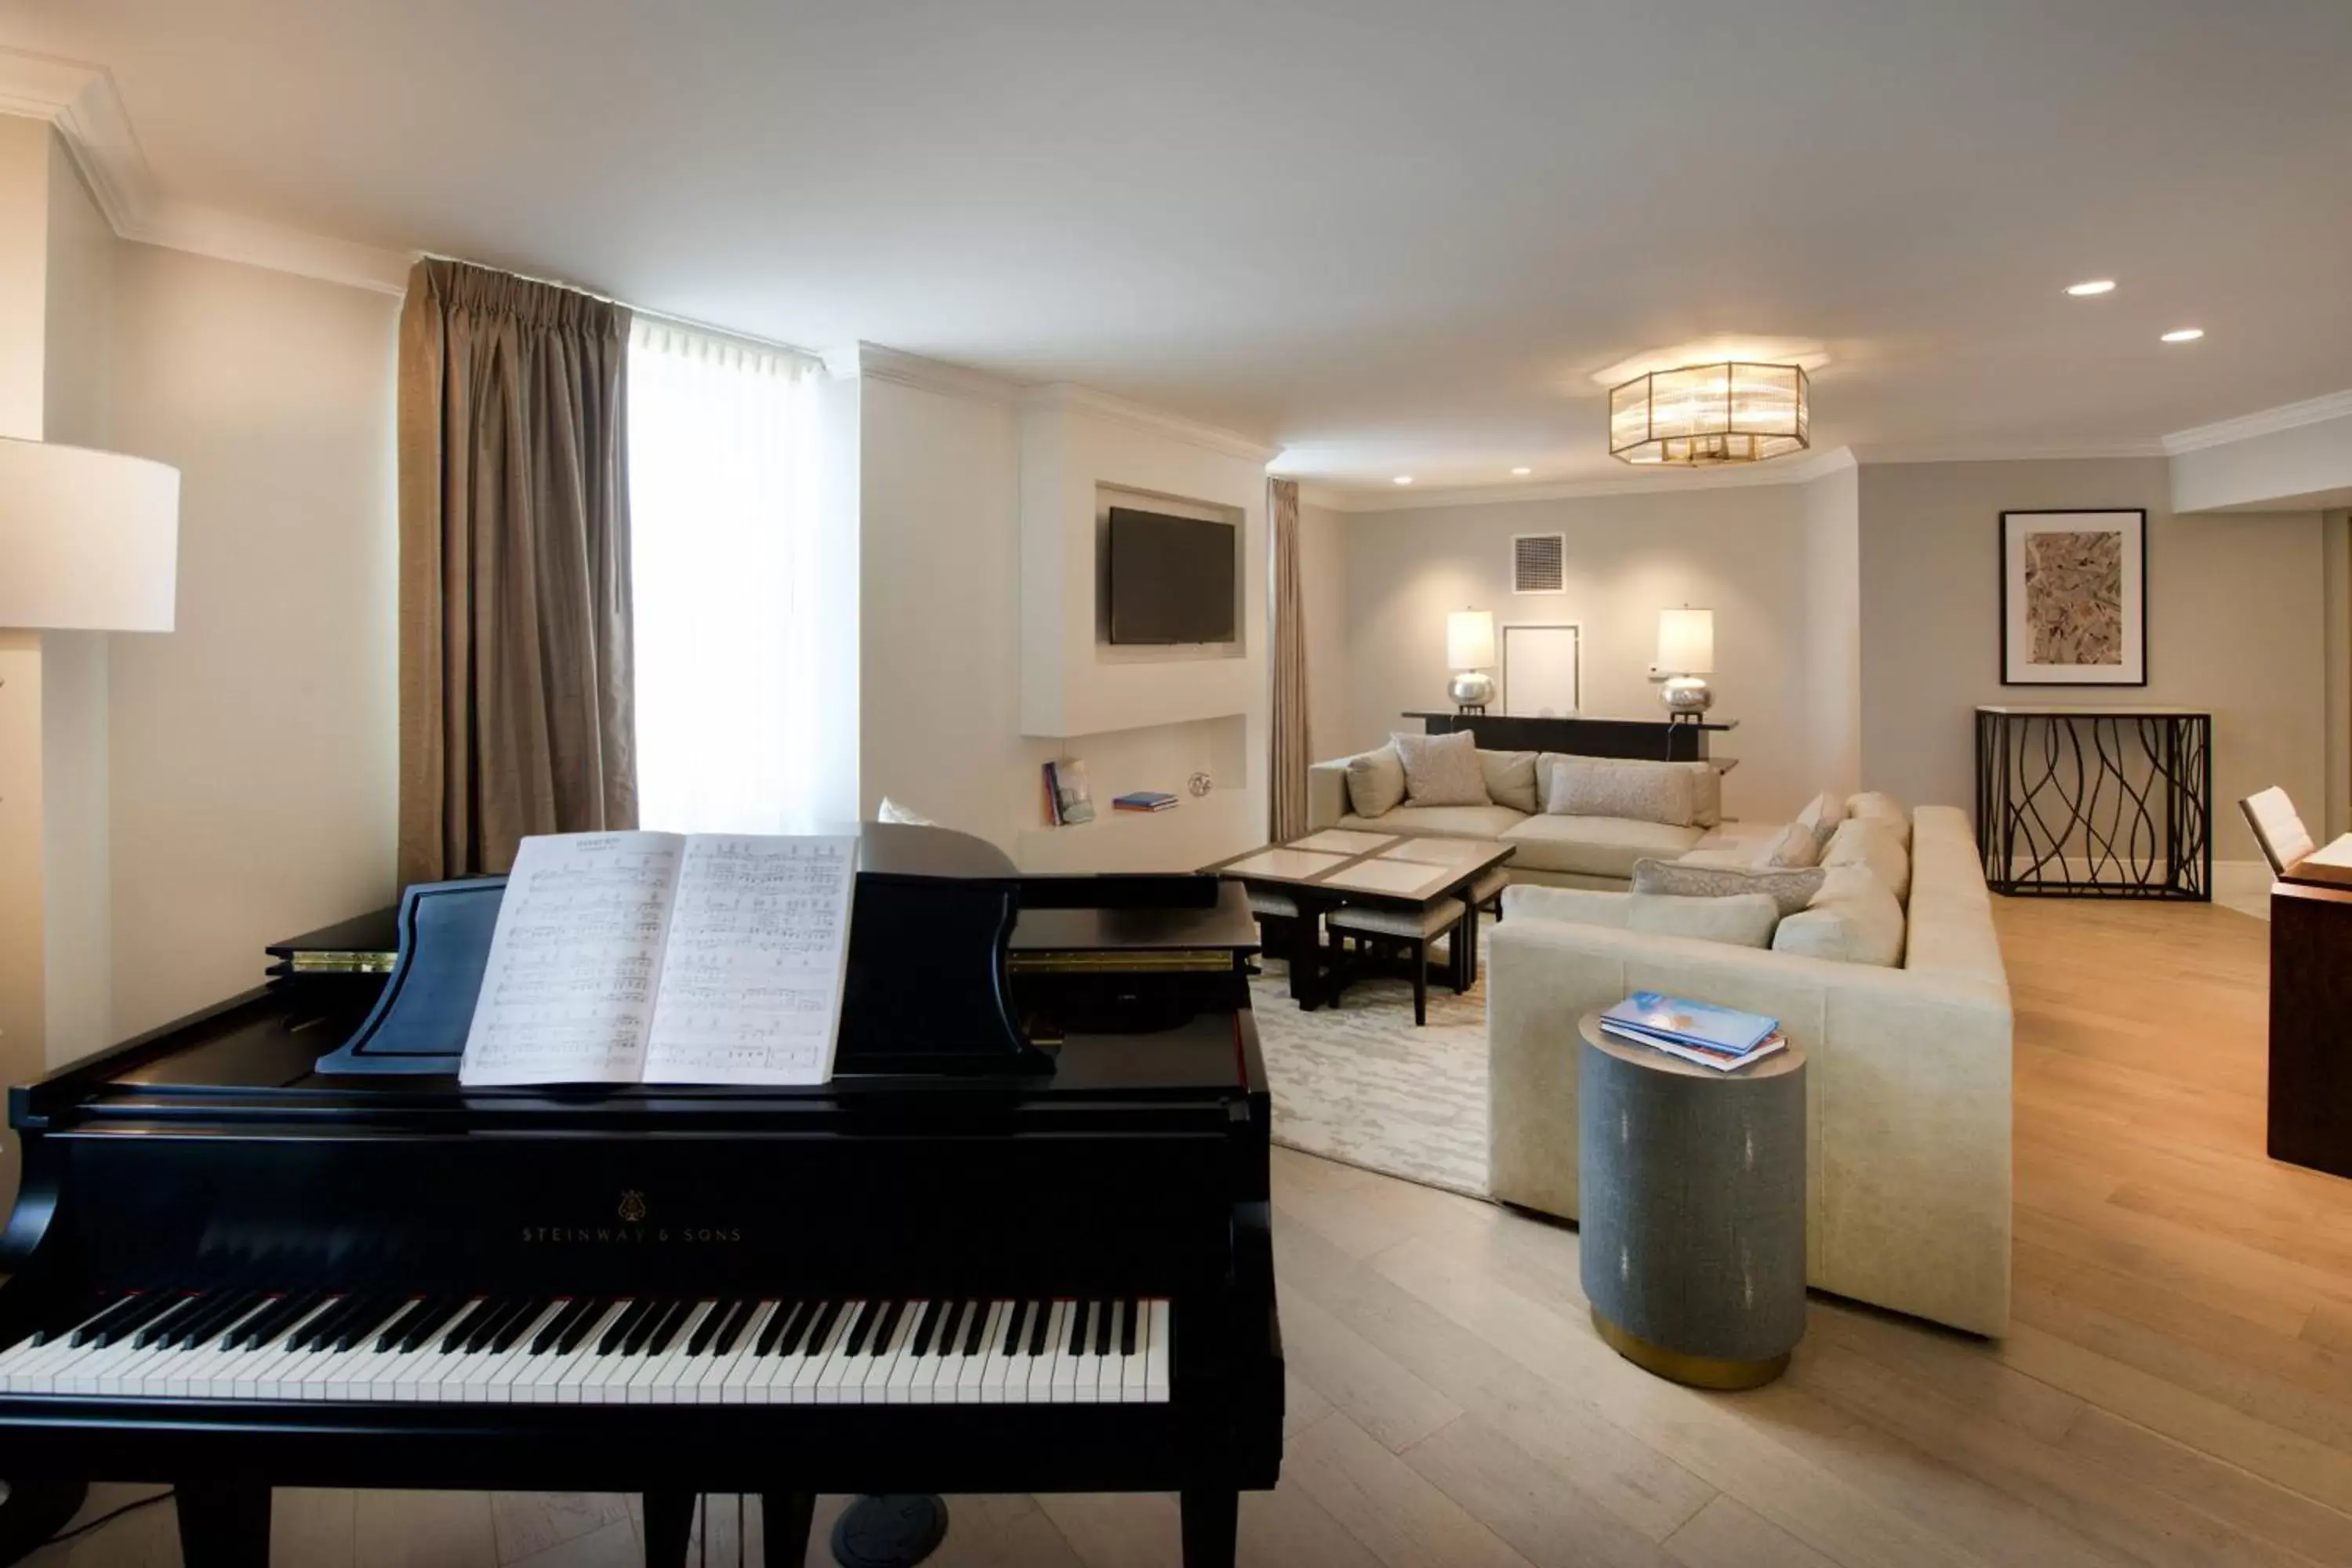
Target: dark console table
1657	738
2097	801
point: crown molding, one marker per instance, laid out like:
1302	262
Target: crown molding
1321	496
81	102
904	369
2005	452
1068	397
1785	471
2262	422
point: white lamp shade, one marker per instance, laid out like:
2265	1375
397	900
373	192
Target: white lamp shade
1470	639
1686	642
89	541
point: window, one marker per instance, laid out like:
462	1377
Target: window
725	555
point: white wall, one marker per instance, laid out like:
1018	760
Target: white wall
254	746
2236	625
1743	552
1323	583
2302	469
1832	620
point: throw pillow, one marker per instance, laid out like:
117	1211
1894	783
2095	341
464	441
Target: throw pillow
1442	770
1510	779
1794	847
1854	918
1821	816
1706	781
1376	781
1744	920
1788	890
1868	841
1883	807
1706	794
1569	906
1661	793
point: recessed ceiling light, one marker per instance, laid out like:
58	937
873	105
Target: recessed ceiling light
1522	473
2184	334
2092	286
1402	480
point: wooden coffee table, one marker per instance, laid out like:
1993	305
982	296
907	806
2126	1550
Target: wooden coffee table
1339	866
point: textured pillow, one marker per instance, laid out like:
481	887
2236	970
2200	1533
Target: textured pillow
1821	816
1854	918
1442	770
1867	841
1788	890
1794	847
1659	794
1706	781
1744	920
1882	807
1510	779
1706	794
1376	781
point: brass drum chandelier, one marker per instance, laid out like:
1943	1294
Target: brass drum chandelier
1701	415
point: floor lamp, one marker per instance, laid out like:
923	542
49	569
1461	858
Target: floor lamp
89	541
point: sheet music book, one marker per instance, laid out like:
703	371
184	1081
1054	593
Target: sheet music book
665	957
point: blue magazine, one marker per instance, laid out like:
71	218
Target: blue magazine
1702	1024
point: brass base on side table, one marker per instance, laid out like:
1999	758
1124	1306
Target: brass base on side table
1696	1370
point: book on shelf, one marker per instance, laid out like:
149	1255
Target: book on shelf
1702	1023
1053	797
1721	1061
1072	802
665	957
1144	800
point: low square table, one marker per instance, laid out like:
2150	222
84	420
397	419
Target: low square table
1340	866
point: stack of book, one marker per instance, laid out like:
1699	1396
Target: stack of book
1144	800
1718	1037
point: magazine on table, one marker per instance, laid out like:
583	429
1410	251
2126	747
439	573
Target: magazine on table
1720	1061
1723	1030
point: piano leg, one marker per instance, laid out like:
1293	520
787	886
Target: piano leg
784	1524
669	1525
223	1524
1211	1518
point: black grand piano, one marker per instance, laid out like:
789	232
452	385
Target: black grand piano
1019	1243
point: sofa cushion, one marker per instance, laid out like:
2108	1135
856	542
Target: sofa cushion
1569	906
1881	806
1794	847
1869	841
1745	921
1790	889
1594	846
1375	781
1511	779
1821	816
1442	770
1706	781
1854	918
1439	821
1662	793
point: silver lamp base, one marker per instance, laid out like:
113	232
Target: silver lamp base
1687	697
1471	689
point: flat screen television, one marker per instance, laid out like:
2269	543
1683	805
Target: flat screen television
1171	578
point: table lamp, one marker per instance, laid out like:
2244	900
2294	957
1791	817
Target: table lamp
1470	653
1686	657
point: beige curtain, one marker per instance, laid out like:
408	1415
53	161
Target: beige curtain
514	690
1291	740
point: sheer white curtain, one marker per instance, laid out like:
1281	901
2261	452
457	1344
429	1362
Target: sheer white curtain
724	557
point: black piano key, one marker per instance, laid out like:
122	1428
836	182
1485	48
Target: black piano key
474	1331
945	1320
1128	1312
505	1339
722	1316
666	1335
977	1328
548	1337
625	1325
885	1329
1040	1325
70	1315
265	1324
652	1323
515	1315
458	1330
1078	1329
115	1314
787	1322
301	1310
393	1330
583	1325
423	1324
1102	1328
1015	1321
371	1316
137	1327
169	1320
312	1335
861	1328
234	1307
918	1342
731	1334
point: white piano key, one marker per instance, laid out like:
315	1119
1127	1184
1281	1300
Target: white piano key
775	1378
562	1384
1063	1389
512	1365
994	1364
817	1359
353	1374
1130	1367
662	1389
968	1374
1082	1388
709	1382
1155	1362
883	1383
840	1366
939	1366
245	1378
193	1378
743	1363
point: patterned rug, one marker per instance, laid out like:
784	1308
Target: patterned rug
1358	1083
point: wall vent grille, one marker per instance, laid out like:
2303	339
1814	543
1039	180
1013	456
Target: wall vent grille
1539	562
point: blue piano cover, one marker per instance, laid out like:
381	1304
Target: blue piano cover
419	1024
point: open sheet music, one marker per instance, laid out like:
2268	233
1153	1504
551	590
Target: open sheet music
665	957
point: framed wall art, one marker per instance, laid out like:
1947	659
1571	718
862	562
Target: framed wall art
2073	598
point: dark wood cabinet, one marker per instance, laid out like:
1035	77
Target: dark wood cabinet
2311	1026
1657	738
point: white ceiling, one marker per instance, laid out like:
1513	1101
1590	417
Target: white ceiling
1393	237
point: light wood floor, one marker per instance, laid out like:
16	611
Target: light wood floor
2177	1388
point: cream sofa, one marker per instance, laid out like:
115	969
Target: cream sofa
1561	851
1907	1081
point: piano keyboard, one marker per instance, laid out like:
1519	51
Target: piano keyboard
580	1350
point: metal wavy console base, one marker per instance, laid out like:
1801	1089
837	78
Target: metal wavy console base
2097	801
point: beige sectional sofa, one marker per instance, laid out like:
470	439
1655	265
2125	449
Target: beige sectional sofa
1908	1078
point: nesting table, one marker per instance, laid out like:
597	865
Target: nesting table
1347	868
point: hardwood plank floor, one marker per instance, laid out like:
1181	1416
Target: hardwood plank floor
2177	1388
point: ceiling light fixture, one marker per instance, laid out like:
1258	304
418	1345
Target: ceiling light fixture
2184	334
2083	290
1522	473
1702	414
1402	480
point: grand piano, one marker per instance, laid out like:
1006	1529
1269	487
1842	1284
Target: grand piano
1019	1243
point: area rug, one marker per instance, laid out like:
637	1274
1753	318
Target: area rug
1358	1083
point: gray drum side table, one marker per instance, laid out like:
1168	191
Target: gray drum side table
1693	1199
